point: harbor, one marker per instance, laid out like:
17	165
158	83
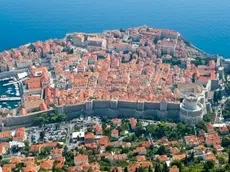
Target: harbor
10	96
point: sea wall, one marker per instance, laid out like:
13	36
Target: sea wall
112	109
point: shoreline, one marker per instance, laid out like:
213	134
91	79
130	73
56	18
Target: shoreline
101	33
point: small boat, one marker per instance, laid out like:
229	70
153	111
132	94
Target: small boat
8	107
8	92
15	105
17	94
4	103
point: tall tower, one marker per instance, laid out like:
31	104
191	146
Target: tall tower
191	110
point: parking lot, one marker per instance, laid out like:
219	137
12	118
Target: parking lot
48	133
61	132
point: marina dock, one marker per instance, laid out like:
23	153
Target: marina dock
10	83
9	98
15	82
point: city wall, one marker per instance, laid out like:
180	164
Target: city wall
126	109
111	109
23	120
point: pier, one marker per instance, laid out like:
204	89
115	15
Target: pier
9	98
11	83
15	82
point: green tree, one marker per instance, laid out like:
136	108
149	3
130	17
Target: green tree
19	167
150	169
130	138
173	135
53	118
201	125
45	152
177	163
227	88
42	135
41	120
226	141
109	148
215	97
228	157
208	166
89	130
209	117
139	130
161	150
221	159
104	119
151	129
165	168
69	157
61	117
125	150
26	148
157	166
58	170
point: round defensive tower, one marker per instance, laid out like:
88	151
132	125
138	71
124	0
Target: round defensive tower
191	110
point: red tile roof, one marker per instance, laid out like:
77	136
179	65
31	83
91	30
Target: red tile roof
47	164
210	156
19	134
81	158
89	136
163	157
179	156
116	121
140	158
174	169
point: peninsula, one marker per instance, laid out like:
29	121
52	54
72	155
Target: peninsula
114	87
140	71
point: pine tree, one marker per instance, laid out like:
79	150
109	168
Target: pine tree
228	157
165	168
150	169
157	168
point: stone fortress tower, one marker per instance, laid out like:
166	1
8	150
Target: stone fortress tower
191	110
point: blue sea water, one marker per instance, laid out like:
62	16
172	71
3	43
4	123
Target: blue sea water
3	91
205	23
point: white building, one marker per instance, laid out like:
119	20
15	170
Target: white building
191	109
78	136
